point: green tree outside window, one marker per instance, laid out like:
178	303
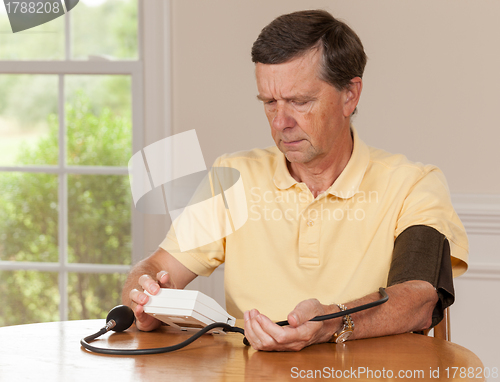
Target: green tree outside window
99	216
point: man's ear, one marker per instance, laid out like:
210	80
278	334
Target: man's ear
353	92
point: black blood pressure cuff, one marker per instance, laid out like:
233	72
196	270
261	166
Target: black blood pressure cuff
423	253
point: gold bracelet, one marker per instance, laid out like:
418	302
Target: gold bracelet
346	331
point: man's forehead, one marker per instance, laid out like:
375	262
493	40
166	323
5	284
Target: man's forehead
305	66
287	81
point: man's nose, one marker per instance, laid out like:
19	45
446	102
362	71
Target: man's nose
282	118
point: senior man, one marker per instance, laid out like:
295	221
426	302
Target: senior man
330	219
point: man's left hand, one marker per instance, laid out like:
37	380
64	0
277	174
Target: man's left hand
263	334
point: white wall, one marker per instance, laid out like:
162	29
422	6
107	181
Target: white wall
474	316
430	92
430	86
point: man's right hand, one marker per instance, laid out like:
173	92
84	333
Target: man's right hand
150	275
144	321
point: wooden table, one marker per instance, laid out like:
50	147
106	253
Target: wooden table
51	352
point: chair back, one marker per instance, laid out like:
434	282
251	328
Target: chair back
442	330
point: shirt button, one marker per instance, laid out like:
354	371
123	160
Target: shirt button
310	223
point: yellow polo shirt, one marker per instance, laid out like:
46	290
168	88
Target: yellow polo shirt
336	247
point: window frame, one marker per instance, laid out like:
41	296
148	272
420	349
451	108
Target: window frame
144	87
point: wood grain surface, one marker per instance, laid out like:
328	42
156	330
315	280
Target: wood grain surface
52	352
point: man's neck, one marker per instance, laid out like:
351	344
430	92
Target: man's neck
321	173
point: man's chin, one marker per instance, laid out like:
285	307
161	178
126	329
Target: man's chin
299	154
296	157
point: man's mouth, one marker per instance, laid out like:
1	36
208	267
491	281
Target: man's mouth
291	143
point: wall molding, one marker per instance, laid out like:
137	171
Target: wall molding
480	213
482	271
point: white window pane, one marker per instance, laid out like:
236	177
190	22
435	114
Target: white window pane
44	42
28	217
99	219
28	119
104	28
28	297
98	120
93	295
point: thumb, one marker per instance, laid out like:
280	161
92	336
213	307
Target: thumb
304	311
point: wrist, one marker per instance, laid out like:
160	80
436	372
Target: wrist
333	325
346	330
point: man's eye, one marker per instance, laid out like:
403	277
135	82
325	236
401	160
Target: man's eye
301	103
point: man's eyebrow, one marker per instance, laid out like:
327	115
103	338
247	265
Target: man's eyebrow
295	98
261	98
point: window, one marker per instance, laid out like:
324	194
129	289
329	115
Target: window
70	119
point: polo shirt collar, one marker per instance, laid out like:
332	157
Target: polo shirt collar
348	182
282	178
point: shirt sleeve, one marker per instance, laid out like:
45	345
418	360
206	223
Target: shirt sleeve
200	242
428	203
202	260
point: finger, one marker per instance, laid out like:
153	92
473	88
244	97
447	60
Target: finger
249	315
261	339
165	280
162	277
291	338
249	333
148	284
276	332
144	321
260	332
138	297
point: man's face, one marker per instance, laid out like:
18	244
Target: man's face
307	115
